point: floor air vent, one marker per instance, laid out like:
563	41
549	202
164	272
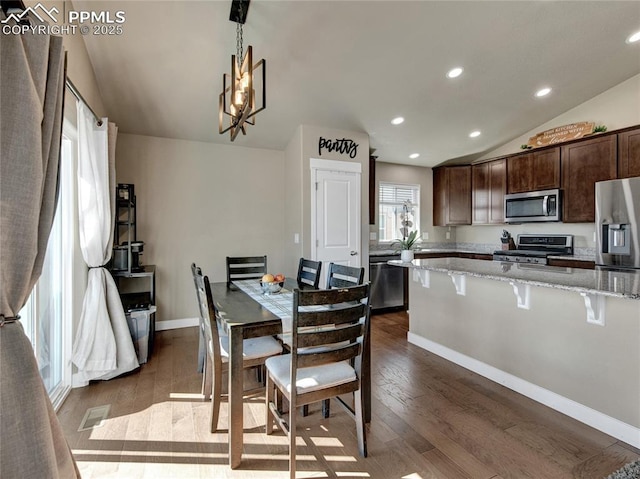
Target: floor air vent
94	417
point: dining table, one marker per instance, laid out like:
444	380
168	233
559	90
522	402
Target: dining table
246	312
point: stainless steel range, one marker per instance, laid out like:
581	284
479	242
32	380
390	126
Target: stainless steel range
535	249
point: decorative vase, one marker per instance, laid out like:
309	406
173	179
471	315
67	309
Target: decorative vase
406	255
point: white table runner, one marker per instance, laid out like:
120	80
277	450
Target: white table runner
280	304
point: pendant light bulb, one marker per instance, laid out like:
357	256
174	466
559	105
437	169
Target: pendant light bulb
238	100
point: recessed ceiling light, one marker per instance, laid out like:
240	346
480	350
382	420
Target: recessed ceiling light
397	120
455	72
543	92
633	38
474	134
413	156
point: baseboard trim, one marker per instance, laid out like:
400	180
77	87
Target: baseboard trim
176	323
600	421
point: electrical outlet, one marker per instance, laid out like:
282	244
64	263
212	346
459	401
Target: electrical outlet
425	235
373	236
594	236
296	238
447	235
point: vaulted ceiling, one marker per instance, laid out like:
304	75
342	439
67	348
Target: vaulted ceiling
355	65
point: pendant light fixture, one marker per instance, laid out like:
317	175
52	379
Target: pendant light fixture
244	90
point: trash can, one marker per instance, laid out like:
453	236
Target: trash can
142	328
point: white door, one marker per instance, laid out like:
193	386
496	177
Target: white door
336	215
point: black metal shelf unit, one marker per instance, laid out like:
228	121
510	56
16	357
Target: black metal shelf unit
126	247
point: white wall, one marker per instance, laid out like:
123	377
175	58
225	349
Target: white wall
301	148
79	68
200	202
618	107
293	208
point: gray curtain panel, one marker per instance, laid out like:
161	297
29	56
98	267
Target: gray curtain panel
32	443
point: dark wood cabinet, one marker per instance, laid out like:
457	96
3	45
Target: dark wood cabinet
454	254
439	194
488	187
459	195
465	195
419	255
452	195
373	191
546	169
629	153
534	171
583	164
571	263
519	171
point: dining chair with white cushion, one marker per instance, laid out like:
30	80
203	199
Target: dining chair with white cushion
329	329
339	276
255	350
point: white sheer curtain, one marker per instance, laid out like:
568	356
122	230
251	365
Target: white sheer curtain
103	347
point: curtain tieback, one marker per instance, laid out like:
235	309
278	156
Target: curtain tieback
102	266
8	319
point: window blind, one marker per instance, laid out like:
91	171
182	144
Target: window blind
391	215
396	194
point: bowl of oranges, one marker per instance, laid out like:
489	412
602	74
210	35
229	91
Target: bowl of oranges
272	284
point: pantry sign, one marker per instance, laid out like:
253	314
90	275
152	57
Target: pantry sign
561	134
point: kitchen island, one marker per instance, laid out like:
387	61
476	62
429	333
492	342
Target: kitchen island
568	338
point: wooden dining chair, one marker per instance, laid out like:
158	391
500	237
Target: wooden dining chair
341	276
329	329
308	273
255	350
203	346
246	267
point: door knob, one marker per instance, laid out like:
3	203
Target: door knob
353	253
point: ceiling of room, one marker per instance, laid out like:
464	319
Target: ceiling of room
355	65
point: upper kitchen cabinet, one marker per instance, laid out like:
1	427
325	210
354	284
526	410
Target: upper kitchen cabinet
629	153
488	187
583	164
534	171
439	196
372	190
452	195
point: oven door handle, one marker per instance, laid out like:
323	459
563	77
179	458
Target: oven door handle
545	205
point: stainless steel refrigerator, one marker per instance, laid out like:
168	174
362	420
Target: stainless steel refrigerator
617	218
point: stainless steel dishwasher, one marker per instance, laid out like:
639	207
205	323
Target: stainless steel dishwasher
388	283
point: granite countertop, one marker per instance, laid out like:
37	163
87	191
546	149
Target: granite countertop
620	284
578	256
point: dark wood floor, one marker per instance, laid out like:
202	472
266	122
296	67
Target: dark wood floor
431	419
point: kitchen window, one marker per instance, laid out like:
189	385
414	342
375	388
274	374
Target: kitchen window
399	210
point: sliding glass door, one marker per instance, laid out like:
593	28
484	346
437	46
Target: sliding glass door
47	316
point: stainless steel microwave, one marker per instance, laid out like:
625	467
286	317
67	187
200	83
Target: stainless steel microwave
533	206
